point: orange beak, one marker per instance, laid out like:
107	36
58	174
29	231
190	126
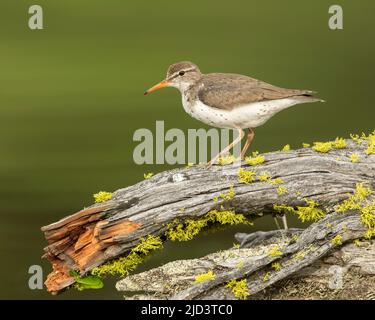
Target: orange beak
161	84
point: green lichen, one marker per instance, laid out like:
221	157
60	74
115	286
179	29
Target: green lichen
124	265
86	282
189	165
208	276
255	159
102	196
188	229
311	212
246	176
239	288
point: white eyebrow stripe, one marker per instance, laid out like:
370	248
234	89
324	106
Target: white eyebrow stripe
176	74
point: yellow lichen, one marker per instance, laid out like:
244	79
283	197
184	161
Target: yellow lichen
339	143
310	212
185	231
226	196
102	196
276	266
286	148
329	225
239	288
337	240
281	190
357	201
307	213
354	157
371	143
225	160
240	265
227	217
148	175
189	228
306	145
124	265
264	176
358	242
246	176
277	181
255	159
274	251
266	276
322	146
295	237
236	245
208	276
299	255
356	138
189	165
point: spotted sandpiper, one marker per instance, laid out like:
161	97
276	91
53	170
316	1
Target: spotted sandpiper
231	101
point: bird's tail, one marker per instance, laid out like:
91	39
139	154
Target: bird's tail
306	98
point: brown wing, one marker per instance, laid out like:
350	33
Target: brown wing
226	91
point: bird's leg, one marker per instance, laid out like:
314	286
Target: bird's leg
241	134
285	223
250	137
277	223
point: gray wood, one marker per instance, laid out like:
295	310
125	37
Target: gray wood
176	280
104	231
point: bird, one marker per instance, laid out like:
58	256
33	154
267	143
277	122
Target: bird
232	101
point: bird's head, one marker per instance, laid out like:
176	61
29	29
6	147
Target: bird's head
180	75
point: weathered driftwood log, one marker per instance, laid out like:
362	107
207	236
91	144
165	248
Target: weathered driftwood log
176	280
107	230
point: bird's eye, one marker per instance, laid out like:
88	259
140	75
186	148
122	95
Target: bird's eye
181	73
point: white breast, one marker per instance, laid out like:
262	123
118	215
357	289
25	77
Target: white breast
247	116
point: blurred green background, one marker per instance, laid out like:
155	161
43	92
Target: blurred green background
71	97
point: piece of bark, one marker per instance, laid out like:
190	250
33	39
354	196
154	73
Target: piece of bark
105	231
